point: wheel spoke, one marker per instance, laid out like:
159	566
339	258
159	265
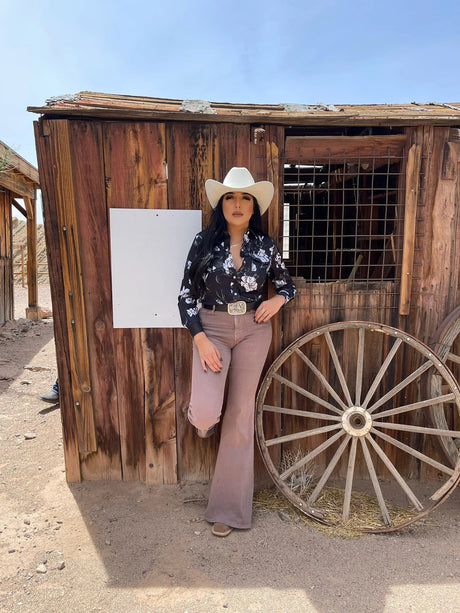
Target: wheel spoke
412	377
311	455
359	367
324	382
375	482
391	467
355	387
307	394
338	367
382	371
327	473
453	358
413	452
419	429
299	413
349	480
416	405
298	435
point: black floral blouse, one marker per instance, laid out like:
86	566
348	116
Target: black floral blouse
224	284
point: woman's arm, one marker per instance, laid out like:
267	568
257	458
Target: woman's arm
283	284
187	301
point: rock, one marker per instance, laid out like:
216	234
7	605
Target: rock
36	368
27	522
61	565
29	436
41	569
282	515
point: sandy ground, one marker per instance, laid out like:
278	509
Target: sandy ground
127	548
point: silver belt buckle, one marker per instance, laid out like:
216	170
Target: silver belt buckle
237	308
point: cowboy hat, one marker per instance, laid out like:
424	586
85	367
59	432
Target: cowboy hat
240	180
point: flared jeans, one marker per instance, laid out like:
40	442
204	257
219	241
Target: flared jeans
243	345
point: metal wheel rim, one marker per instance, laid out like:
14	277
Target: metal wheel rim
445	337
430	361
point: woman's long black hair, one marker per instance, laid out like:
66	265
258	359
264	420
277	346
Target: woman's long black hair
213	235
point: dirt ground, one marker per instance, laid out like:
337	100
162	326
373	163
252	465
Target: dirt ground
127	548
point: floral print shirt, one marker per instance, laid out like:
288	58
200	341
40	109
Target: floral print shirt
224	284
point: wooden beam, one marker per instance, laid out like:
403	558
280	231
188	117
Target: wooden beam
412	189
325	149
19	164
20	208
17	184
31	252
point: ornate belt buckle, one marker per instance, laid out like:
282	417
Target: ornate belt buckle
237	308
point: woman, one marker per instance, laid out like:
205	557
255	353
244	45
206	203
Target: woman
226	271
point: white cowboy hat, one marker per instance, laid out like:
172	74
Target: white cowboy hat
240	180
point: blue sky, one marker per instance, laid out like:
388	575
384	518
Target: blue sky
241	51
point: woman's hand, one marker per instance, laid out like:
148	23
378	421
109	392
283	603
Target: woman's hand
268	308
209	354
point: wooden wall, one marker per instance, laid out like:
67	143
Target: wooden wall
6	258
125	391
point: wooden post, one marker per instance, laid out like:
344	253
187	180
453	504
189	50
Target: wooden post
22	266
412	189
33	311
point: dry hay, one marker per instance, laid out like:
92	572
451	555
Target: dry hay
365	513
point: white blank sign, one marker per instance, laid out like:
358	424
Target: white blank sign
149	248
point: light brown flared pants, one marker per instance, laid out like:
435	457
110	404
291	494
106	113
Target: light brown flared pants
243	345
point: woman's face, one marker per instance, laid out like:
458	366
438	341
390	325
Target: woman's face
238	208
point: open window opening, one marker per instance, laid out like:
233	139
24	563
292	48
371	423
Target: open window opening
343	205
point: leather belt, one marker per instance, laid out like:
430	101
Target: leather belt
233	308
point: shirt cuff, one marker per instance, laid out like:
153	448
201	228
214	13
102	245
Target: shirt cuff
286	294
195	326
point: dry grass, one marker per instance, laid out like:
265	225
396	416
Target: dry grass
365	513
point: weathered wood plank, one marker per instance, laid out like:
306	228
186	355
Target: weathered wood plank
265	164
17	184
135	169
335	148
88	168
410	216
50	204
72	277
6	259
19	164
160	422
193	156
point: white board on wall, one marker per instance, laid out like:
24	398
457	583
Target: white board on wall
148	251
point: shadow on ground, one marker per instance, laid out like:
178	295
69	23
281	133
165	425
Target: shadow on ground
154	540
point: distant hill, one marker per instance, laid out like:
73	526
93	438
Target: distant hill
20	239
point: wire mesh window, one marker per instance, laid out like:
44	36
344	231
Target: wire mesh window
343	213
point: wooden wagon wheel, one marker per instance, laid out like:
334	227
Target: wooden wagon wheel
448	349
350	403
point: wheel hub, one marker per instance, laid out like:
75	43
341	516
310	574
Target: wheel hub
356	421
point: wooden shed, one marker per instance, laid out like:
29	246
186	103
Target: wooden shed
18	180
366	214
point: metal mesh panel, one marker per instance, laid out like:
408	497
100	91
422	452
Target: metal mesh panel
343	220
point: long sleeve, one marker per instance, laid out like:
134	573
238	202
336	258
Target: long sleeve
187	303
279	275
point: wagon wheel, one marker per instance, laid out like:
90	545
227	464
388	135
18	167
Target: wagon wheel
351	404
448	349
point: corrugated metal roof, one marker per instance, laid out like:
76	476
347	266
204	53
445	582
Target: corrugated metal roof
114	106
